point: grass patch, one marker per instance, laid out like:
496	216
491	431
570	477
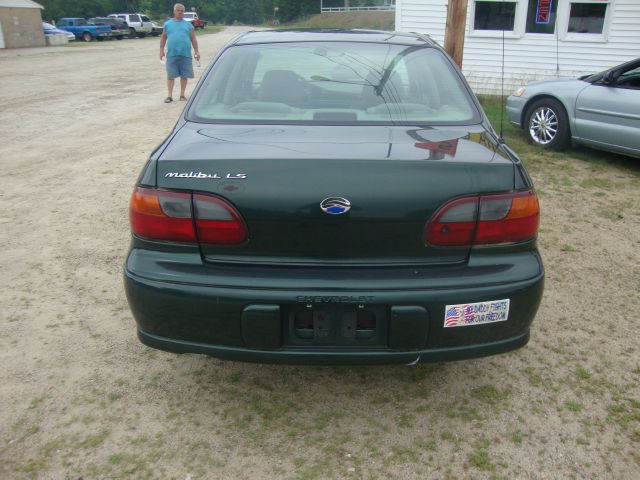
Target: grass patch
405	420
209	29
447	436
574	406
534	377
36	401
404	454
490	394
430	445
595	182
582	373
517	437
479	458
465	413
624	412
346	20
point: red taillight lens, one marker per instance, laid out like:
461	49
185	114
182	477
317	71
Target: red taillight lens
217	221
487	219
161	215
454	224
165	215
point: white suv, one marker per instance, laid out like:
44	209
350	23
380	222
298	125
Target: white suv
139	24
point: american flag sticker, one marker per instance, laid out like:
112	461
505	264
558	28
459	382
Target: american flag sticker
466	314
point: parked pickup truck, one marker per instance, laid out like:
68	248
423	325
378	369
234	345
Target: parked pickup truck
139	24
81	29
193	18
119	28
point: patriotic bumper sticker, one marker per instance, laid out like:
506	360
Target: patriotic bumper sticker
479	313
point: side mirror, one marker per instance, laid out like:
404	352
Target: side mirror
608	78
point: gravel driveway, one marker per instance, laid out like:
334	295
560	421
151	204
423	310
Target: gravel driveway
81	397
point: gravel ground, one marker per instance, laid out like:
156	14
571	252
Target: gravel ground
81	397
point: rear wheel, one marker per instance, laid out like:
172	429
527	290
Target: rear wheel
86	36
547	124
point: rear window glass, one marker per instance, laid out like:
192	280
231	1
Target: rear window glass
333	83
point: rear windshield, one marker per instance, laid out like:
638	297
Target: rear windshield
333	83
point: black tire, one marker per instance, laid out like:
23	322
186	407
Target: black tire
87	37
119	37
132	33
546	124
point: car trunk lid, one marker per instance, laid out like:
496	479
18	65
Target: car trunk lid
394	178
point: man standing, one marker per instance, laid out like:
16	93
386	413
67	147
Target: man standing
181	37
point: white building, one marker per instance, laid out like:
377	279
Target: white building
542	38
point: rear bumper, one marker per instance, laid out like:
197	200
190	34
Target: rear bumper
182	305
320	357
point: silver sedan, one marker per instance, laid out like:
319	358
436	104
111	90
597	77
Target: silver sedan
601	110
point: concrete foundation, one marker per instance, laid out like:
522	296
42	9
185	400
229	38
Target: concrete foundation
56	39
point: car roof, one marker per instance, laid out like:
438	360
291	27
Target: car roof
333	35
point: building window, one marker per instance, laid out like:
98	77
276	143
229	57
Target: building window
587	18
491	15
541	16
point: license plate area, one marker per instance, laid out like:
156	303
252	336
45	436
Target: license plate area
336	325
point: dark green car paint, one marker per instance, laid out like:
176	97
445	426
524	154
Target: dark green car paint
238	302
394	186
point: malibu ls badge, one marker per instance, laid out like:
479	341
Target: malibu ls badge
335	205
228	176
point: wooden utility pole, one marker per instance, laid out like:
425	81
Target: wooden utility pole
454	31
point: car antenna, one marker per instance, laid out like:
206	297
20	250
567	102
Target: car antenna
501	138
557	53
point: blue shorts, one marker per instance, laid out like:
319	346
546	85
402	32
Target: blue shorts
179	67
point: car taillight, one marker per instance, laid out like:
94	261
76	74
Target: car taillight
161	215
217	221
486	219
169	216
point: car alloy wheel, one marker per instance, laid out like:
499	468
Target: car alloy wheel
547	124
86	36
543	125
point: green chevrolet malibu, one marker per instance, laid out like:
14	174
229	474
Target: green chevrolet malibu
334	197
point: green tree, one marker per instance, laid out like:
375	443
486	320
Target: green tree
289	10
